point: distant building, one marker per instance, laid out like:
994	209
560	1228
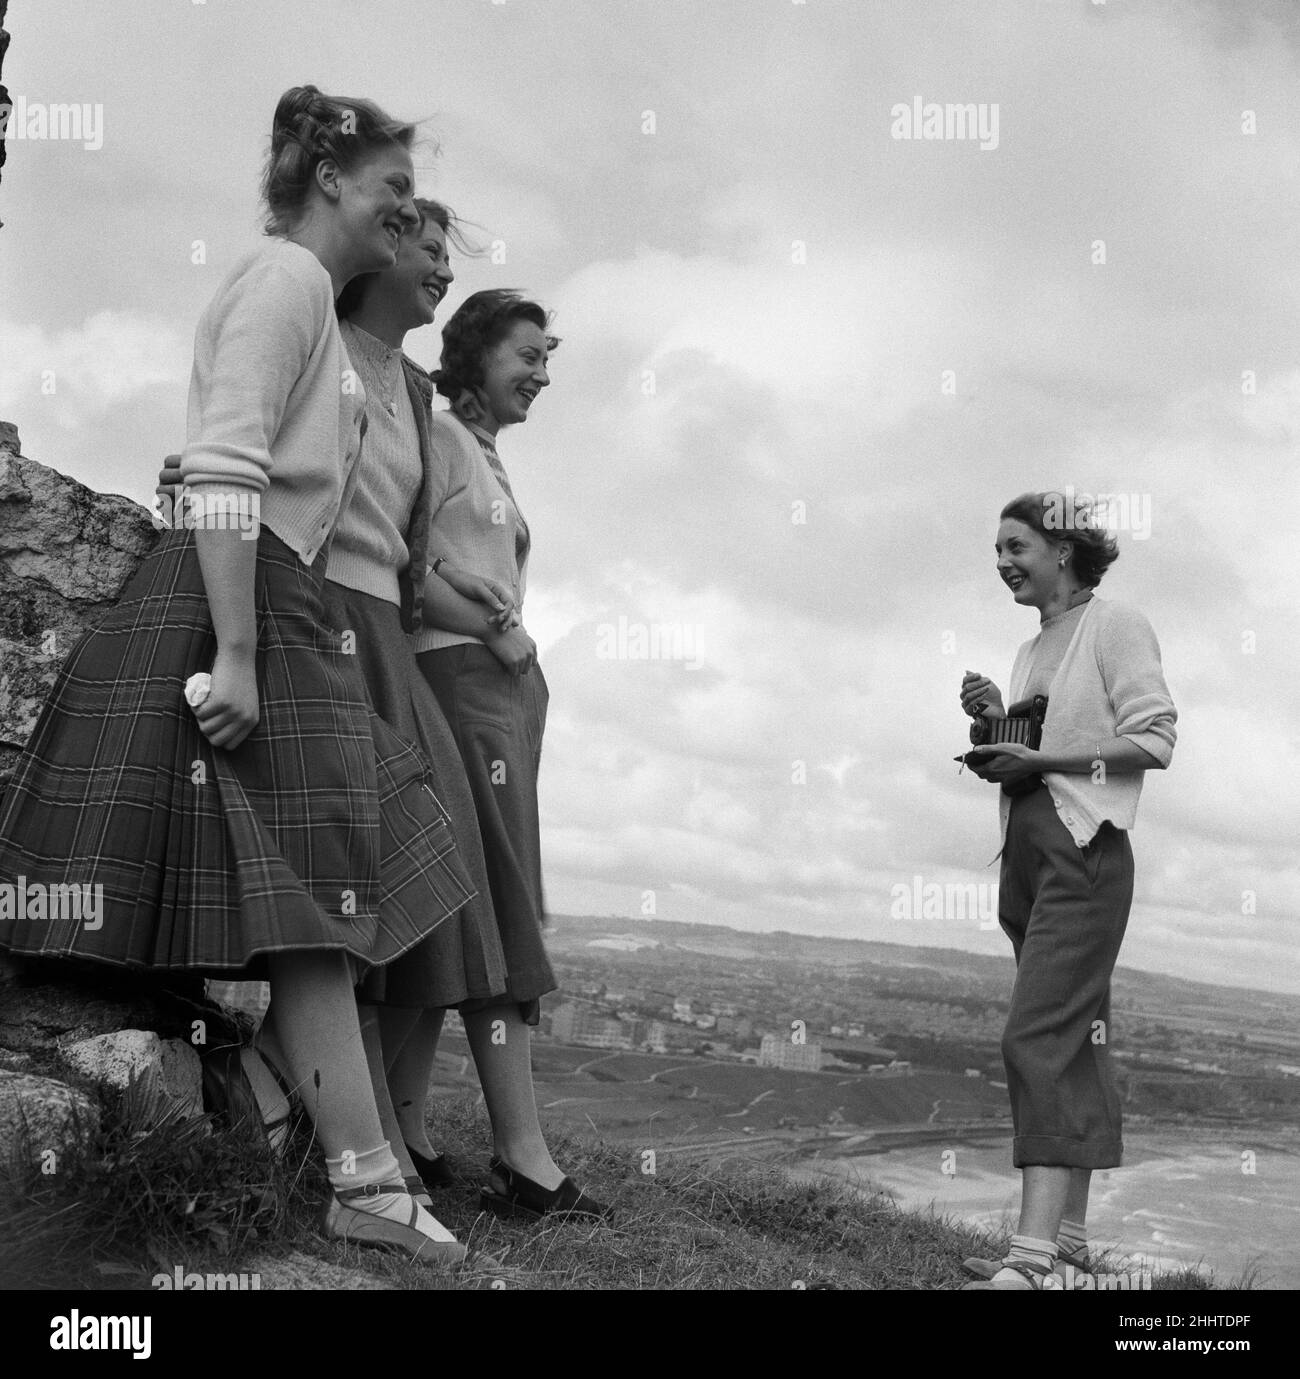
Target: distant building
973	1072
682	1009
579	1024
777	1051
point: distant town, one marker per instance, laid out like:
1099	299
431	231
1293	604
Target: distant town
824	1005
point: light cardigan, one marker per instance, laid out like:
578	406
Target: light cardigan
369	551
473	522
275	407
1109	684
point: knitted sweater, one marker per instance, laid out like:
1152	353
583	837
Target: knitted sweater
369	548
473	522
275	409
1109	684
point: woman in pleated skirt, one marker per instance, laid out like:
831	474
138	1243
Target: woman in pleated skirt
494	697
271	824
375	595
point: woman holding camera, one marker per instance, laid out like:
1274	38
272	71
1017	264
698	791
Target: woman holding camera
1067	868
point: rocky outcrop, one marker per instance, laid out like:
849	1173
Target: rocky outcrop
42	1122
167	1072
4	90
65	553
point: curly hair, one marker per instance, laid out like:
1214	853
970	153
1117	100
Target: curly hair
444	217
481	321
309	128
1062	517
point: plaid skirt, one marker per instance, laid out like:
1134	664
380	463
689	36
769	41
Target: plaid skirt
321	830
462	960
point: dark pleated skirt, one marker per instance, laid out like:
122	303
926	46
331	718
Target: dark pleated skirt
498	720
321	830
463	959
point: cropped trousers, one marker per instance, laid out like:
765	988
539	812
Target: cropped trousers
1065	909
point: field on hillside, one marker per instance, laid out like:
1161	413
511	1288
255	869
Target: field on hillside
660	1100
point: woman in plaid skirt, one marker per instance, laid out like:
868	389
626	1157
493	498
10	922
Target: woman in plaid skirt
490	962
278	829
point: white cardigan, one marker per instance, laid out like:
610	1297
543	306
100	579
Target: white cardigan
275	409
474	523
1109	684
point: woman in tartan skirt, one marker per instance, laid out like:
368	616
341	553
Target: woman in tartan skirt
489	962
278	829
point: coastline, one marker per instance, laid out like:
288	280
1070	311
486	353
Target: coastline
1224	1199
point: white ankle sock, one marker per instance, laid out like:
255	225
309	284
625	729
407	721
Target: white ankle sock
1025	1249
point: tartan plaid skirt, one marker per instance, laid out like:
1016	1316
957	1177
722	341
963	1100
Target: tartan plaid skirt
462	960
321	830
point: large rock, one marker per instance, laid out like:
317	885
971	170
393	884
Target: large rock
41	1122
65	553
168	1073
46	1006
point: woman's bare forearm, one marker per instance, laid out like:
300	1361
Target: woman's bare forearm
449	611
229	563
1120	756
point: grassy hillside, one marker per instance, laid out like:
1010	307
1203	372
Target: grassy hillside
217	1202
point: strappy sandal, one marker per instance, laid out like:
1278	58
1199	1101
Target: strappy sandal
985	1268
419	1193
523	1197
359	1227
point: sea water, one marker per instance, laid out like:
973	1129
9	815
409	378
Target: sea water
1226	1201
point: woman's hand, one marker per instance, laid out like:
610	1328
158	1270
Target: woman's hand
230	712
485	591
1005	762
976	690
514	648
169	476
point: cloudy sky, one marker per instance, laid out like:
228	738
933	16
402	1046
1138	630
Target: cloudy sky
804	363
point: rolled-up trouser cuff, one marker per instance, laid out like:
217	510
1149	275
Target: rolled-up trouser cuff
1054	1152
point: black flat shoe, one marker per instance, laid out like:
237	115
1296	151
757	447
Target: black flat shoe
434	1173
523	1197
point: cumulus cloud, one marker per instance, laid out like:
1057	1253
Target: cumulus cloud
803	366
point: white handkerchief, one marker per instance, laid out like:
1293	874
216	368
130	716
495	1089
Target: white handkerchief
197	688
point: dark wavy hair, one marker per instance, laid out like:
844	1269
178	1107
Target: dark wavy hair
309	128
1093	549
480	322
453	227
